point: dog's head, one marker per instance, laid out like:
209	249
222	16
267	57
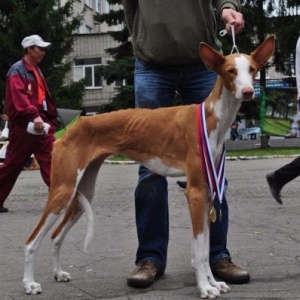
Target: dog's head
238	70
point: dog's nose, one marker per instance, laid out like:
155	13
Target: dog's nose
247	92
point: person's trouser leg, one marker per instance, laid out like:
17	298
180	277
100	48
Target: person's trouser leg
152	218
153	88
43	156
20	147
288	172
15	159
218	232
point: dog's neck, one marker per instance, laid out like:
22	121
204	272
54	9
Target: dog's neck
221	108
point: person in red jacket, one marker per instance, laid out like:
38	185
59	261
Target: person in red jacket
28	103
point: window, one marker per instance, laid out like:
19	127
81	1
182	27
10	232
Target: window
88	68
88	29
106	7
89	3
98	6
120	82
102	7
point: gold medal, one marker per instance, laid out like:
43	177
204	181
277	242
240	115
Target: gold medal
213	215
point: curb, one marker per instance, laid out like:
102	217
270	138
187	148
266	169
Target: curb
228	158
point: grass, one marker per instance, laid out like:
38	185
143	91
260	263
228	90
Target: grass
276	126
264	152
281	151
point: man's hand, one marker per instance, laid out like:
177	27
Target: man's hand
232	17
38	124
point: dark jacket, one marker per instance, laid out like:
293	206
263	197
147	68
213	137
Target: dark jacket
22	96
169	32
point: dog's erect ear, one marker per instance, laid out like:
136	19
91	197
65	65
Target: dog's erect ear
263	53
211	58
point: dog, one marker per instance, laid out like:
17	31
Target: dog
165	140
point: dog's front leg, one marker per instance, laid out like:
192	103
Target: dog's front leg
199	210
200	250
220	285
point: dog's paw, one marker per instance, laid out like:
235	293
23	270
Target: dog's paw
209	292
32	288
62	276
222	287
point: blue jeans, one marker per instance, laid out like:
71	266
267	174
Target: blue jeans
156	86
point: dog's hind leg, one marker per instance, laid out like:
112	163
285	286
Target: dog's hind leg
80	204
32	244
72	215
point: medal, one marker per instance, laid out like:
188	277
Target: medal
213	215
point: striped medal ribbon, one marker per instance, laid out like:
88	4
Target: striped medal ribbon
215	177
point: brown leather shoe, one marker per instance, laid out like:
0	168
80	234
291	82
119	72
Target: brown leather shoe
143	275
226	270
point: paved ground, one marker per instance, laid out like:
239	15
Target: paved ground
264	237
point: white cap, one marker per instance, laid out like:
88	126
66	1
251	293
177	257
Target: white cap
34	40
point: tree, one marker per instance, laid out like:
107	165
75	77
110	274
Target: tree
262	18
122	67
21	18
279	17
270	17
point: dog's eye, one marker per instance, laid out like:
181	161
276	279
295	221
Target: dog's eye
231	71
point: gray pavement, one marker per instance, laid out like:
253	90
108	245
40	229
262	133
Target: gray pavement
263	237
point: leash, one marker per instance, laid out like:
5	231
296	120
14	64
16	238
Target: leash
215	177
224	32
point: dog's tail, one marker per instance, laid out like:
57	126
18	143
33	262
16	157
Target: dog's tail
86	206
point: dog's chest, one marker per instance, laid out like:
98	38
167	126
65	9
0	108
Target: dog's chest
157	166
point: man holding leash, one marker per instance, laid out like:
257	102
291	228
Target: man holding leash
165	38
32	114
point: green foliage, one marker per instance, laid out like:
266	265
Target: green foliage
119	69
70	96
122	100
20	18
271	17
280	103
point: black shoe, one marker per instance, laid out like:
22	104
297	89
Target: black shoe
3	209
274	188
182	184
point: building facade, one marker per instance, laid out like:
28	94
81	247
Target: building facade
91	40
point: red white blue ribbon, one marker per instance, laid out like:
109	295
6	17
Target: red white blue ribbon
215	176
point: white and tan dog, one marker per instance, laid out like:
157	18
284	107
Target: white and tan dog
165	140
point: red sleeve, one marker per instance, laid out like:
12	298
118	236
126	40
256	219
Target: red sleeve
20	99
